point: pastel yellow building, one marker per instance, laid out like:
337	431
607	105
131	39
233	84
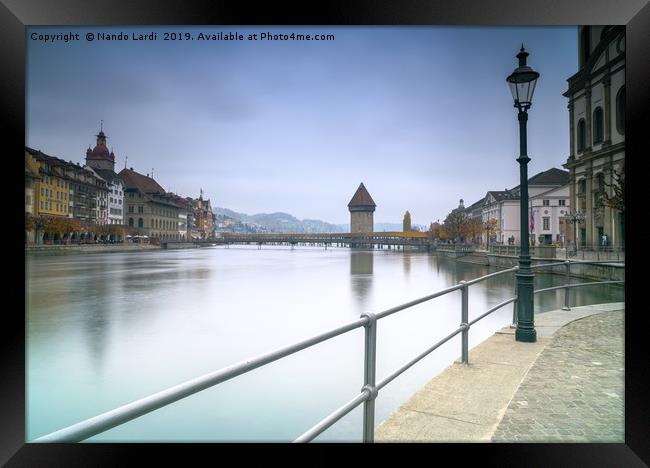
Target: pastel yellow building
31	179
51	191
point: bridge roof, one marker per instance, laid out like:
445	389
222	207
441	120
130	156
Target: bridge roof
362	197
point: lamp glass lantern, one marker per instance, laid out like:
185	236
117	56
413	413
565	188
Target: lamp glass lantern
522	82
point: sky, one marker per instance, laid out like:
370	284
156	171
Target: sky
422	116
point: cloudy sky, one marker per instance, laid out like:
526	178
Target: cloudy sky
421	115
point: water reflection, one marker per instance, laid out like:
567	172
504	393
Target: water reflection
156	319
361	265
96	326
406	261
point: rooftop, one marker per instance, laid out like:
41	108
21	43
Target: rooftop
107	174
144	184
362	197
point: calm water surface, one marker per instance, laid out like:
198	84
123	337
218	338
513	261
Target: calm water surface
106	329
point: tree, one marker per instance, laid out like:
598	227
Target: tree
75	225
406	223
474	227
437	231
115	230
40	225
100	230
456	224
29	224
490	228
58	226
44	225
617	199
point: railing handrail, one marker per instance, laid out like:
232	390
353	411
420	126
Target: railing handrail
612	263
140	407
122	414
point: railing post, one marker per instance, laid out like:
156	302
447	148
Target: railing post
370	361
464	318
567	281
514	309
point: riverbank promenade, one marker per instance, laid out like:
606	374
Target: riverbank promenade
566	387
88	248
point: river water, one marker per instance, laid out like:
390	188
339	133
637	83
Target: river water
103	330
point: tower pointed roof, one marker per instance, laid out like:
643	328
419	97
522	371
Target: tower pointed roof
100	151
362	197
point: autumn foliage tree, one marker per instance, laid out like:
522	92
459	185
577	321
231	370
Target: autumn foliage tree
474	228
457	225
64	227
437	231
29	222
491	229
58	226
116	230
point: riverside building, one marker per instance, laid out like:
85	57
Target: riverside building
149	209
65	189
597	133
102	163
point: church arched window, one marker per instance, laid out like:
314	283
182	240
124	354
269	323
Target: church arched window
620	111
582	135
598	125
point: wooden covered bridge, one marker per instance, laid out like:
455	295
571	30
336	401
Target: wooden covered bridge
362	240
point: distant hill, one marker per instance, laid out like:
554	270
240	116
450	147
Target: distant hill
387	227
278	222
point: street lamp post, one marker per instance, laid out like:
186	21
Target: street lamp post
522	84
575	218
488	230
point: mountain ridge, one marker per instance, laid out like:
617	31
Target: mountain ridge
279	221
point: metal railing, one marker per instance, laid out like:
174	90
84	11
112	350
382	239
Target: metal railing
595	251
369	390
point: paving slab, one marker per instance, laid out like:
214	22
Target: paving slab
468	403
574	391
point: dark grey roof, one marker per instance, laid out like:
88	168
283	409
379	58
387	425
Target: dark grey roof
476	204
551	177
501	195
107	175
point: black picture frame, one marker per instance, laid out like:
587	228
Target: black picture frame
15	15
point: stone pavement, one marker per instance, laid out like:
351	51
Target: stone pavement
574	394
